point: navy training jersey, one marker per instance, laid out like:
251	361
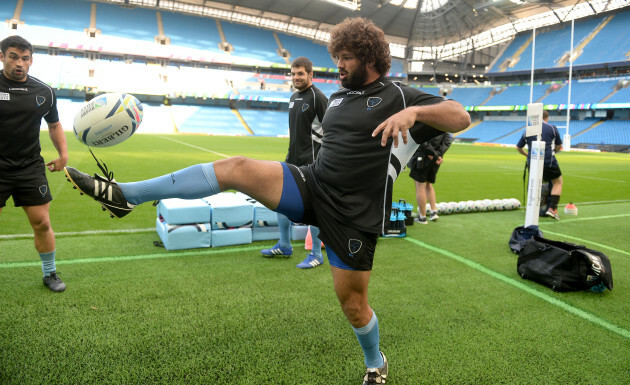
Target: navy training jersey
306	112
551	137
22	107
354	174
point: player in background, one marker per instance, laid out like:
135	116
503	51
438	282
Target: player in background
423	168
371	128
551	168
24	101
306	112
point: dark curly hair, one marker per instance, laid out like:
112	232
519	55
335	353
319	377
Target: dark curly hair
364	39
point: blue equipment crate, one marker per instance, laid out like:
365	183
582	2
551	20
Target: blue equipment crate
230	211
231	237
184	236
183	211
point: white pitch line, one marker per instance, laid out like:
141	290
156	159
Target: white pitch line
592	177
193	146
89	232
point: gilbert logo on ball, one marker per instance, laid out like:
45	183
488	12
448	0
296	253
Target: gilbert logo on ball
108	119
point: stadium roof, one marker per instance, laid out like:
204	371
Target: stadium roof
417	29
421	23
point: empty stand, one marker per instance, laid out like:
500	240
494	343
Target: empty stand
517	95
251	42
69	15
132	23
207	120
470	96
267	122
489	131
608	132
316	53
611	44
191	31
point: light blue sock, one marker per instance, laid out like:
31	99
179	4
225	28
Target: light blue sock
48	262
284	224
196	181
317	243
368	339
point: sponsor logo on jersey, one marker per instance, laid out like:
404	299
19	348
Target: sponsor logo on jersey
354	245
18	89
373	101
305	107
301	174
335	102
39	100
5	96
354	93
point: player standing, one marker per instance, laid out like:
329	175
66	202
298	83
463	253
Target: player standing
306	112
24	101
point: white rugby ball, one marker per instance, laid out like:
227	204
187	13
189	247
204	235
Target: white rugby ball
108	119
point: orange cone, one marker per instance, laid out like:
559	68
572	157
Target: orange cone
308	241
571	209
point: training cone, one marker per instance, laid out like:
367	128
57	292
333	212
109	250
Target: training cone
570	209
308	241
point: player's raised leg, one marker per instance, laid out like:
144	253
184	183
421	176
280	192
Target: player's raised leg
262	180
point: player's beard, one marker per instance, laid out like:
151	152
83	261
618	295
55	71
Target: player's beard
356	79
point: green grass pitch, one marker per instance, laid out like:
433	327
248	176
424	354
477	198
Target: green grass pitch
451	307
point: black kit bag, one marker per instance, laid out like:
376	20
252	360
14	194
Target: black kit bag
521	235
564	266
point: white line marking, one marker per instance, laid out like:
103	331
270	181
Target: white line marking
592	177
193	146
89	232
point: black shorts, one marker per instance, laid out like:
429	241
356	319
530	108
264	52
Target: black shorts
353	247
426	173
551	173
27	189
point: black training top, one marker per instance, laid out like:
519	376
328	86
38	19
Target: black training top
22	106
306	112
353	173
551	137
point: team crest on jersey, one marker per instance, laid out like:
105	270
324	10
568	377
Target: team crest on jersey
5	96
305	107
373	101
43	190
335	102
39	100
354	245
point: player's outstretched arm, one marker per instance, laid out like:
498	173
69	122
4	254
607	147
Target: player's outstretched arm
447	116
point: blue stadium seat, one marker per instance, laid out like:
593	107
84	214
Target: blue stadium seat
250	42
267	122
297	47
328	88
398	67
621	96
470	96
491	131
608	132
610	45
517	95
131	23
191	31
70	15
208	120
